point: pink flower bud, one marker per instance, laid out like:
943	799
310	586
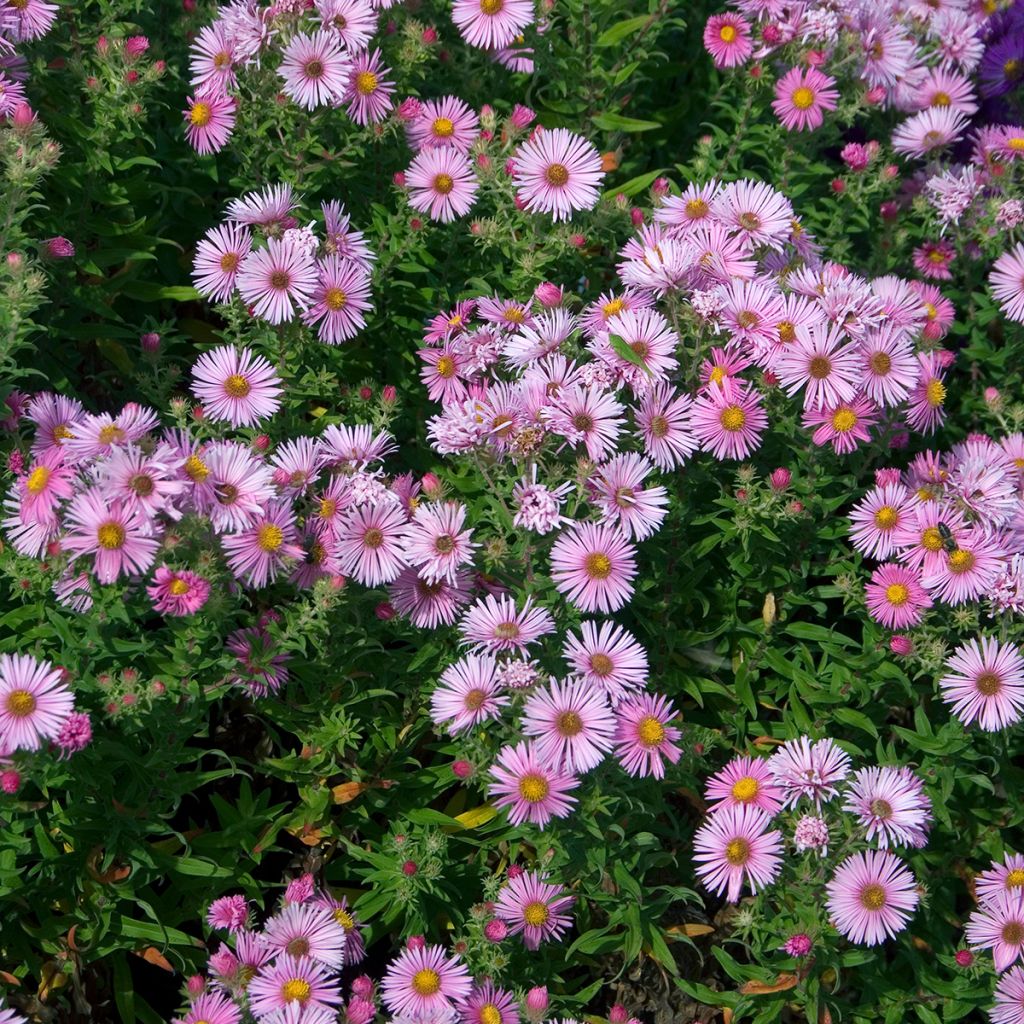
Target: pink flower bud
636	216
875	95
429	35
415	223
548	294
462	769
515	871
362	986
131	78
415	942
891	172
385	611
483	161
15	261
964	958
520	203
797	945
58	248
660	187
150	342
780	479
993	399
578	241
366	393
160	66
944	357
771	34
10	781
195	985
16	462
389	394
102	44
495	930
838	186
409	868
886	476
522	117
359	1011
135	47
23	117
537	1002
431	485
900	643
889	210
261	442
409	109
399	178
618	1014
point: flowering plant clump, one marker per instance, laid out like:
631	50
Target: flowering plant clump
513	511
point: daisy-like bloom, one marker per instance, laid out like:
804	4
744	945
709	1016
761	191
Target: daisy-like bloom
663	419
530	787
271	206
495	624
228	913
821	361
467	693
539	507
102	434
259	552
557	172
302	983
649	337
424	982
890	804
877	518
734	847
141	480
436	544
48	482
572	725
999	925
945	87
489	1005
1005	877
448	121
1008	998
608	657
593	565
355	948
353	22
619	492
355	446
341	239
120	539
871	897
211	60
533	908
305	930
803	768
231	485
297	464
236	386
643	736
745	780
278	279
727	39
210	1008
441	183
802	96
843	426
756	212
895	596
1007	283
55	418
589	416
315	70
178	592
370	544
933	259
35	702
888	367
984	682
209	121
429	605
492	24
368	97
928	131
27	19
968	572
341	297
218	258
728	419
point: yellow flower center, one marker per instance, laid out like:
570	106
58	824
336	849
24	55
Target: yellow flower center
598	566
569	723
489	1014
335	299
296	990
178	586
514	315
886	517
610	309
373	538
697	209
110	434
727	33
236	386
366	83
988	684
533	788
61	433
803	98
961	561
475	699
444	183
426	982
844	420
601	665
820	367
897	594
535	914
872	897
717	375
269	537
1015	879
196	469
931	539
344	918
650	732
737	852
787	331
20	703
733	418
201	114
443	127
491	7
1013	69
935	392
111	536
941	99
557	175
328	508
37	479
880	363
746	789
1016	143
229	262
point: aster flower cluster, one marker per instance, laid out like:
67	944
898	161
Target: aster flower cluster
20	22
283	271
759	804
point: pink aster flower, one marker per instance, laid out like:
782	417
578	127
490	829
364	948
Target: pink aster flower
928	131
1007	283
1007	876
888	367
468	693
370	544
530	787
495	624
895	596
448	121
230	913
985	683
607	657
619	492
315	70
593	565
802	96
811	769
368	97
489	1005
441	183
877	518
663	419
436	544
756	212
745	780
538	506
341	297
933	259
423	982
27	19
270	207
218	258
571	724
588	416
353	22
120	539
734	847
300	983
48	482
278	279
643	737
534	908
209	120
236	386
211	61
820	361
1008	998
728	419
969	571
843	426
890	804
557	172
428	605
727	39
35	702
179	592
306	930
999	925
258	553
231	485
212	1008
871	897
492	24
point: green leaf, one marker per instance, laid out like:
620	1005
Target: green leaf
615	34
618	123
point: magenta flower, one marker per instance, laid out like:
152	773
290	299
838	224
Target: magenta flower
734	847
607	657
1007	876
985	683
824	365
300	983
341	297
492	24
490	1005
315	70
759	215
572	725
209	120
211	1008
495	624
533	908
258	553
969	571
593	565
368	97
218	258
587	416
180	592
746	780
370	544
999	925
35	702
809	769
928	131
48	482
529	787
441	183
728	419
277	280
643	737
557	172
843	426
895	596
932	259
230	913
802	96
663	419
727	39
1007	283
876	518
636	510
304	930
270	207
121	540
445	122
436	544
890	804
468	693
1008	998
871	897
423	982
236	386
